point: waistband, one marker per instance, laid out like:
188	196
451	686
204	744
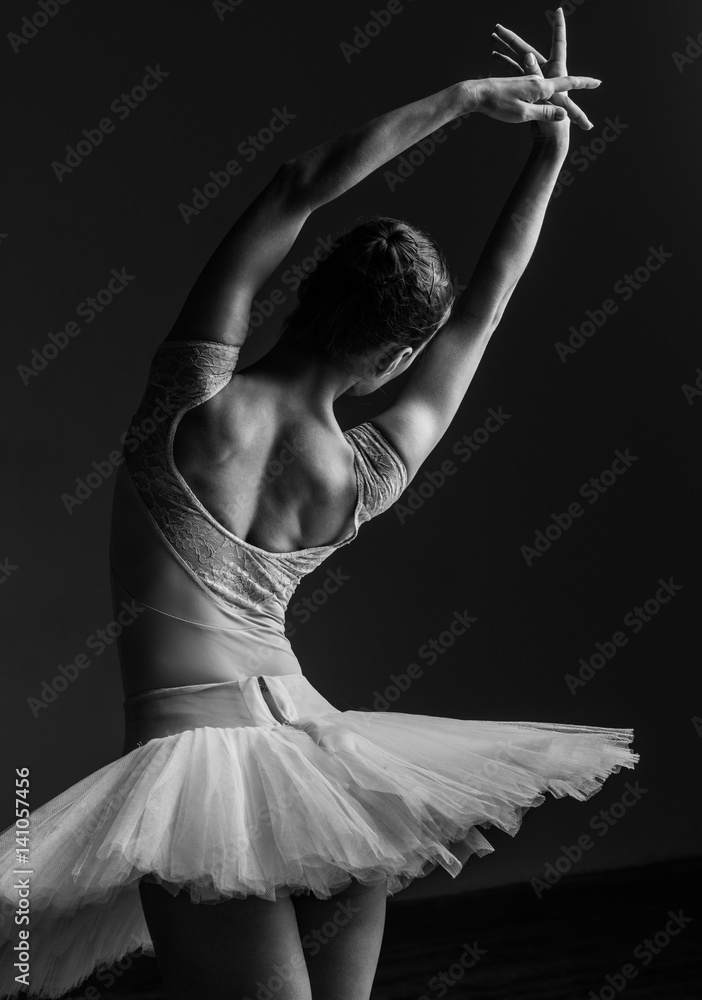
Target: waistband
262	700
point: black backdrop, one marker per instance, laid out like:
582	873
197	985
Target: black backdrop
635	187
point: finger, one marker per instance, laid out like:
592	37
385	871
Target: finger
509	64
560	83
576	114
531	65
505	47
562	100
558	39
543	113
518	43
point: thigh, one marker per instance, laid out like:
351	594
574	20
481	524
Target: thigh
243	948
341	939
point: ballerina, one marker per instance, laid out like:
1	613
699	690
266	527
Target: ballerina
247	815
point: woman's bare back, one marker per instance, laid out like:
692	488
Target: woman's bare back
274	475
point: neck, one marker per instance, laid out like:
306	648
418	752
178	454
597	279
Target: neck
305	375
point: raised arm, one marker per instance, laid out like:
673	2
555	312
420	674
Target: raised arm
219	303
437	383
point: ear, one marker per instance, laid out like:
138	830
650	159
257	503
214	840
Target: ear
401	356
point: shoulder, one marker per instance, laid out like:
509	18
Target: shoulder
378	447
381	469
197	350
193	368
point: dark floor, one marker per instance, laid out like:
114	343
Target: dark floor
562	946
559	947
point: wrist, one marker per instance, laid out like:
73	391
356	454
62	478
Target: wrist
471	95
554	144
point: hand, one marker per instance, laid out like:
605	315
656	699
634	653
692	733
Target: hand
516	56
526	98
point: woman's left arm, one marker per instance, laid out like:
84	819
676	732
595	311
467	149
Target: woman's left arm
429	399
219	303
514	236
434	388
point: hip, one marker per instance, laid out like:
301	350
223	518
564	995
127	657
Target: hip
267	701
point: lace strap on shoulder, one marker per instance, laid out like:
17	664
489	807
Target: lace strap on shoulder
192	370
383	474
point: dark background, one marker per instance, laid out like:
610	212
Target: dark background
460	551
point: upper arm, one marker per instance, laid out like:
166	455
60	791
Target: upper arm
437	382
219	303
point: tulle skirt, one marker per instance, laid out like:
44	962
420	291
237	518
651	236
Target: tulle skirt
261	787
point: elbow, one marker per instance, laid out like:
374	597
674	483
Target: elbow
290	181
496	317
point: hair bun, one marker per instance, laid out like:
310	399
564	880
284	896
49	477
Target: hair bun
385	282
382	261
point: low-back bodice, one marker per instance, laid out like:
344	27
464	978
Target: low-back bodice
172	555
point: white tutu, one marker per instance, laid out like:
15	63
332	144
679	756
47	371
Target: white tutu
272	809
223	792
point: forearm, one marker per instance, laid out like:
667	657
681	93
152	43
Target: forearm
328	170
514	235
